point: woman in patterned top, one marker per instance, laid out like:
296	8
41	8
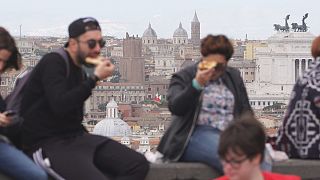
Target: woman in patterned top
203	102
299	135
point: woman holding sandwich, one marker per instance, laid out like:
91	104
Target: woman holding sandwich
203	99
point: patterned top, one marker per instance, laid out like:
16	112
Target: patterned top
299	135
217	105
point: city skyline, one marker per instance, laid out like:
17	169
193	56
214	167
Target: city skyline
232	18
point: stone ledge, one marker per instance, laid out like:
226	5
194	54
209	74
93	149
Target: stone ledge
307	169
181	171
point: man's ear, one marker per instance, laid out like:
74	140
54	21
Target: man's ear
73	44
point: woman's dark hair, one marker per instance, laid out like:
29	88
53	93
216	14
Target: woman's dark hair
244	136
7	42
315	49
219	44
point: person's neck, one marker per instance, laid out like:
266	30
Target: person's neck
256	174
73	57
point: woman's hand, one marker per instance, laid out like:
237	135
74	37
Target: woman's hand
203	76
4	120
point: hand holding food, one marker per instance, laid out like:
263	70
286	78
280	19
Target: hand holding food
94	61
207	64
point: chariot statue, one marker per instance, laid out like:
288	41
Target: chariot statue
300	28
284	28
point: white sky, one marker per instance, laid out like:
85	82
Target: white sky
234	18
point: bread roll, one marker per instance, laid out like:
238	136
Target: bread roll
94	61
205	64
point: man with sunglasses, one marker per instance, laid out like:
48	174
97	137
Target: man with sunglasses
52	108
241	150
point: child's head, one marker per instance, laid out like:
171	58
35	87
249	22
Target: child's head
241	147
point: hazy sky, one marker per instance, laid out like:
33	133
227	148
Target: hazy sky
234	18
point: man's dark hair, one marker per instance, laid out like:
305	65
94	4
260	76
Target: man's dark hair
219	44
7	42
244	136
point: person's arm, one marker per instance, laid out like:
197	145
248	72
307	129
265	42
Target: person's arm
182	96
54	80
246	107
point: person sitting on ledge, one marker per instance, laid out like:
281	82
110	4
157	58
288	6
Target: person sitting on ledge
52	108
13	162
299	133
203	99
241	150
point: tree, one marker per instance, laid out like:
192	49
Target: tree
102	107
116	76
273	107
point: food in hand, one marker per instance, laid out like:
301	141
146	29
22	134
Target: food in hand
206	64
94	61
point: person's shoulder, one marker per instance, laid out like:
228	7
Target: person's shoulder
190	68
232	70
276	176
221	178
51	58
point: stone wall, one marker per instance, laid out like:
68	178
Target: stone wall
307	169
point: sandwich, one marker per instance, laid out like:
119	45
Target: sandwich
94	61
207	64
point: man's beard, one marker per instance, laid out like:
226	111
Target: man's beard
81	57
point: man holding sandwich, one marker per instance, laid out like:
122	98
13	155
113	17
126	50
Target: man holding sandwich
52	108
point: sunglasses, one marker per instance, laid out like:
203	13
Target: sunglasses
92	43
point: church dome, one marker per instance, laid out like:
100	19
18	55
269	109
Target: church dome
112	128
112	125
149	32
180	32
